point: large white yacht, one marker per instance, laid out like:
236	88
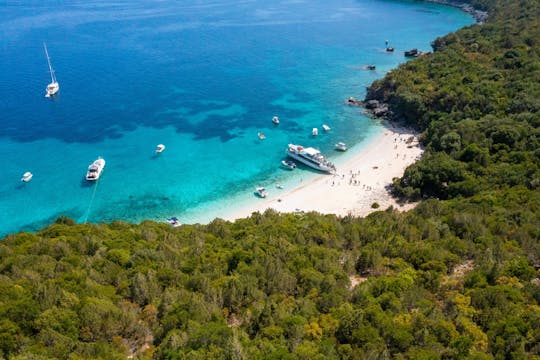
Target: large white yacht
310	157
53	87
95	169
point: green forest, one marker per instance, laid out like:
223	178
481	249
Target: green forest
457	277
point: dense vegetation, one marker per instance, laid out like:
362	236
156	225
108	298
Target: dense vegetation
448	280
477	102
456	278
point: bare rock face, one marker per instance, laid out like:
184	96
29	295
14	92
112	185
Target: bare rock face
381	111
377	108
372	104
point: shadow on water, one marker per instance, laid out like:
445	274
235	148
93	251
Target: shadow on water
85	183
22	185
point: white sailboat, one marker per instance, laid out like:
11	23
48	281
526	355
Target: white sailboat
53	87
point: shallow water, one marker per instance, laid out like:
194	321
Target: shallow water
200	77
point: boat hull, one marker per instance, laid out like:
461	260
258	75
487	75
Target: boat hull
310	164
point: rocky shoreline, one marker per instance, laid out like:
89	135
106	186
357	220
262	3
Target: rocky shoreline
380	109
479	15
373	107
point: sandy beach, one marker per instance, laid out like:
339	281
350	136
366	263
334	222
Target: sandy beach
360	181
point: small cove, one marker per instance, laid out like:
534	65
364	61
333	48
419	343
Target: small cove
203	79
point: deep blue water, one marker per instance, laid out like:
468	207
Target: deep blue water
202	77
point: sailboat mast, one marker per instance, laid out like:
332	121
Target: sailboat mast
53	78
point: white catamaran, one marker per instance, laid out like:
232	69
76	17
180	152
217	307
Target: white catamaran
53	87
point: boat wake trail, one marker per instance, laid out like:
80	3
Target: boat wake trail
91	203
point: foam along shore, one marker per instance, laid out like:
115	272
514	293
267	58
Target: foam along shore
360	181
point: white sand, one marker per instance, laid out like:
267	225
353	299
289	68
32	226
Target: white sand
359	182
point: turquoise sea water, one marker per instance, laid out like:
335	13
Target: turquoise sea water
202	77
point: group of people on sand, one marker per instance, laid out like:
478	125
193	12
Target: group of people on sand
353	181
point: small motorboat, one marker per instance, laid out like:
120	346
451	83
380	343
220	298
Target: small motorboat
390	49
341	146
326	127
27	176
95	169
160	148
370	67
288	164
315	132
261	136
261	191
173	221
411	53
275	120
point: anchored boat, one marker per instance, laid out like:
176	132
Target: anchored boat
160	148
288	164
95	169
27	176
53	87
341	146
310	157
261	192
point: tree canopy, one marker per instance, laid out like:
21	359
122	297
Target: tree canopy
457	277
